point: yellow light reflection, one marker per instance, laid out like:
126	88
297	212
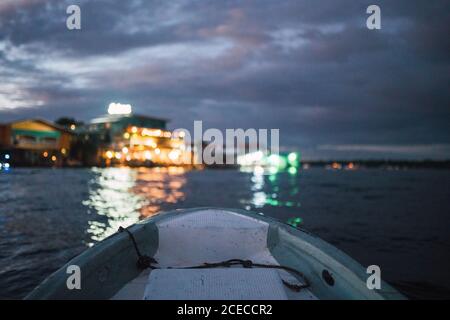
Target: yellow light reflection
124	195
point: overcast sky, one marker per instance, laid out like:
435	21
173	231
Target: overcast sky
310	68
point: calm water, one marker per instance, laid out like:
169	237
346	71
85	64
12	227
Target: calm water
399	220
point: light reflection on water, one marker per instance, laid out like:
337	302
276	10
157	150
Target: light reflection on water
159	186
269	194
125	195
122	196
259	196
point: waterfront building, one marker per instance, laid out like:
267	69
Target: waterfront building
35	142
119	138
135	140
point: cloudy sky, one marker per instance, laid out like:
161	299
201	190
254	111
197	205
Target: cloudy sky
310	68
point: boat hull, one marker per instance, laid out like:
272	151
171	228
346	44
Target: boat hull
190	237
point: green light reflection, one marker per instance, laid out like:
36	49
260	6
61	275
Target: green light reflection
295	221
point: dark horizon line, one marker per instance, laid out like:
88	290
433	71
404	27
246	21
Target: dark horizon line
435	163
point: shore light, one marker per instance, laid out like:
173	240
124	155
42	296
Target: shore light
174	154
293	159
292	156
292	170
277	161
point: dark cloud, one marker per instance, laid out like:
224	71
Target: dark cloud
311	69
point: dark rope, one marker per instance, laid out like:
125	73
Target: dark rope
145	262
251	264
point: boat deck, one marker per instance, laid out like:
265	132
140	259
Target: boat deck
212	236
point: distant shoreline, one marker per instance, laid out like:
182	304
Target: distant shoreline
437	164
384	164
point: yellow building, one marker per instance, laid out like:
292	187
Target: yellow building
137	140
144	146
35	142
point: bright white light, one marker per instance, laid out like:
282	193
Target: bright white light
258	171
174	154
250	159
6	165
118	108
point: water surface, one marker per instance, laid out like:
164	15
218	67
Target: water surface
398	220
